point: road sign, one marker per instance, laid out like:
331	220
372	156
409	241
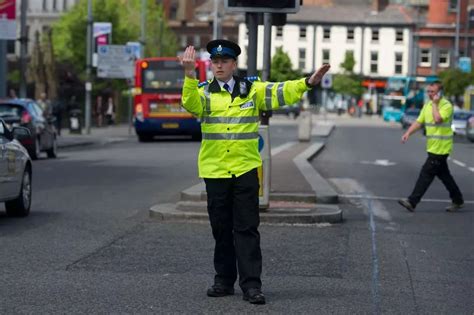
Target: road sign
7	19
102	34
115	61
326	82
464	64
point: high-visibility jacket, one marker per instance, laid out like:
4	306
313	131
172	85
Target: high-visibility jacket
229	123
439	136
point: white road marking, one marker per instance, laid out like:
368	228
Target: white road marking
360	196
282	147
379	162
471	169
459	163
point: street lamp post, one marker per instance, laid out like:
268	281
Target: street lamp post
88	67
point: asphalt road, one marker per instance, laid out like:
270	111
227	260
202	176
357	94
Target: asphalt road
89	247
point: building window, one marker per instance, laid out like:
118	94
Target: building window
375	35
399	36
398	62
453	5
443	58
45	5
425	57
302	58
350	34
326	56
302	32
173	12
326	34
64	5
184	41
10	46
374	61
55	7
279	32
197	41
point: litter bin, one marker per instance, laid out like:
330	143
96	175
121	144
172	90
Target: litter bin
75	121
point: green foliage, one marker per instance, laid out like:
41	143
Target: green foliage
349	62
456	81
69	33
14	76
281	67
348	83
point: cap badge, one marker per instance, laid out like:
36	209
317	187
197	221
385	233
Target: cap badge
219	48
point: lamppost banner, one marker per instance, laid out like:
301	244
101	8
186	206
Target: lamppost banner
7	19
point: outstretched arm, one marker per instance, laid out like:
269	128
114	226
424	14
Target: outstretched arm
413	128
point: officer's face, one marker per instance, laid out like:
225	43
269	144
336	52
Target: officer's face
223	68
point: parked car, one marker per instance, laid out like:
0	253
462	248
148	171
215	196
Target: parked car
292	111
27	113
460	118
15	171
409	117
470	129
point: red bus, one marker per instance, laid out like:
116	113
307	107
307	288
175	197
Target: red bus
157	102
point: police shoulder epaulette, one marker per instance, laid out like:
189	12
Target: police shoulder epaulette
252	78
203	84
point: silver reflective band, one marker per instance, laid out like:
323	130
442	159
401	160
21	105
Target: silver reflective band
268	95
230	120
208	99
281	99
446	125
230	136
440	137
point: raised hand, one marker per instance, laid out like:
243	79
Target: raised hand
317	76
188	61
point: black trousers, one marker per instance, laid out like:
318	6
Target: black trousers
233	209
435	165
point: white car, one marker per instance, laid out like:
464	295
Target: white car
15	171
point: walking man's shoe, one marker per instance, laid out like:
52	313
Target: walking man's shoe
254	296
406	204
218	290
454	207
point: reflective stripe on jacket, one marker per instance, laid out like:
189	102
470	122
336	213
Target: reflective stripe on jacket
439	136
229	123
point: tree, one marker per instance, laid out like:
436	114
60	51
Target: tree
281	67
69	33
456	81
348	83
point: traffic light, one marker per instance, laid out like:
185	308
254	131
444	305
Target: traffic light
263	6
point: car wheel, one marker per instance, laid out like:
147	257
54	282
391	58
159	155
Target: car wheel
53	152
144	137
20	207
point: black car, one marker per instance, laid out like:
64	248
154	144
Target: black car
27	113
292	111
409	117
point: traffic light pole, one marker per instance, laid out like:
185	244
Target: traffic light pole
88	67
267	47
252	25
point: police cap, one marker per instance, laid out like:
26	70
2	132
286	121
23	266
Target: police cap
223	48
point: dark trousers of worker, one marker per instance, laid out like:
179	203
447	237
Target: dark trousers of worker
435	165
233	209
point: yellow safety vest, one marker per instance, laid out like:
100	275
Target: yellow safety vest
230	126
439	137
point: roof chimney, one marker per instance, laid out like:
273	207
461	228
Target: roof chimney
379	5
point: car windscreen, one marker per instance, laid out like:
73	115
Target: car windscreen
10	110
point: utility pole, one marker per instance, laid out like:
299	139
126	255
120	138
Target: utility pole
456	40
88	67
23	47
3	68
216	23
267	47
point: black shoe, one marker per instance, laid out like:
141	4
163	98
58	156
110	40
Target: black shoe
406	204
219	290
454	207
254	296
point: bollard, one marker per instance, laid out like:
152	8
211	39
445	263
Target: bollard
305	126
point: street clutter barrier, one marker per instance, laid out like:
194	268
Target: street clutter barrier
305	126
264	170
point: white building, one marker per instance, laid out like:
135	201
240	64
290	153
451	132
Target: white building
41	14
380	41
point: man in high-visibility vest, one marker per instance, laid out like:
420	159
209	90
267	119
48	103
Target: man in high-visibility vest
229	107
436	116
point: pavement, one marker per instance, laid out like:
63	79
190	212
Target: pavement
298	193
97	136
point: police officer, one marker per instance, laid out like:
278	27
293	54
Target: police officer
436	116
229	107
